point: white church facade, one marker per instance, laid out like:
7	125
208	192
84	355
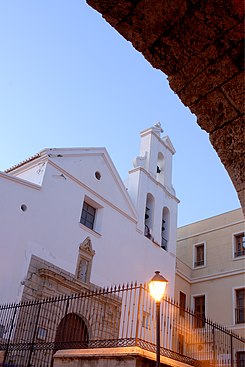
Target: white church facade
70	208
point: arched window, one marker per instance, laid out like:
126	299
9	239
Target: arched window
165	228
84	262
160	168
149	215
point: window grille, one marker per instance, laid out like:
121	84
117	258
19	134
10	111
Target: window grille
199	311
199	255
239	245
240	306
88	215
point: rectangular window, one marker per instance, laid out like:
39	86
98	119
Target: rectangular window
182	303
240	306
199	311
239	249
146	320
41	333
88	215
199	255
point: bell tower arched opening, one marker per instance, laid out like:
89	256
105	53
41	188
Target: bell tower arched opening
160	168
165	228
149	215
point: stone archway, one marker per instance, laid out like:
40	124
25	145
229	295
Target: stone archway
71	332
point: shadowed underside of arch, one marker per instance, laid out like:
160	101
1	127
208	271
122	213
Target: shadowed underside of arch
199	45
71	330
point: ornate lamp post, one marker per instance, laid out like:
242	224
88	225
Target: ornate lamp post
157	288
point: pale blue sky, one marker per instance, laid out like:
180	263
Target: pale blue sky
68	79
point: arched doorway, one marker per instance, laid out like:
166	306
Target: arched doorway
72	332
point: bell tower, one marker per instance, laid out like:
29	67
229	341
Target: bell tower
150	187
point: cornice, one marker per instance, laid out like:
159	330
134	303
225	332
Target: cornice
172	196
240	221
72	283
20	181
116	353
209	277
161	140
210	230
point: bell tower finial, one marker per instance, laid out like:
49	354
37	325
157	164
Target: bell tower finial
158	125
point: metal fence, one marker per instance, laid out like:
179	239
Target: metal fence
31	332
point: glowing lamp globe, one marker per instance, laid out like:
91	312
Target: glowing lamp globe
157	286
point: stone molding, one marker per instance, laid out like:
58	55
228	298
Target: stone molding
62	357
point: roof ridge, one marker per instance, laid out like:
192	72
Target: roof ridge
37	155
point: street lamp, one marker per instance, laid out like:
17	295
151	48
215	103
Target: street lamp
157	288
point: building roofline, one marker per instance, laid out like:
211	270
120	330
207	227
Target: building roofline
210	218
44	152
22	163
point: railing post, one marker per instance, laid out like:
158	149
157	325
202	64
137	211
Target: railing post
9	337
158	333
232	361
214	347
34	335
138	316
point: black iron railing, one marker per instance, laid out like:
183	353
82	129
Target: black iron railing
31	332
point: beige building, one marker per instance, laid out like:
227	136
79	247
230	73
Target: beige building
210	276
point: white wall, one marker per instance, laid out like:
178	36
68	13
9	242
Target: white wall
50	227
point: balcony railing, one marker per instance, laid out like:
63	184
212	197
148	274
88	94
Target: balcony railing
199	263
115	317
239	253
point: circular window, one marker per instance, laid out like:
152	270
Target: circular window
97	175
23	207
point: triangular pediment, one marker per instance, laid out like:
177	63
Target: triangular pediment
93	169
86	246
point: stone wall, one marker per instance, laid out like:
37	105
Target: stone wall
48	282
111	357
45	280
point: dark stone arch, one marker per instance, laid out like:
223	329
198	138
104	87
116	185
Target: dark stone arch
72	332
